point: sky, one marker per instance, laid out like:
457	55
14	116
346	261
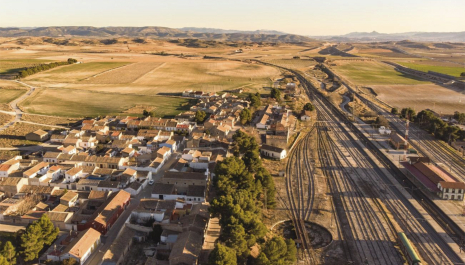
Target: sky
304	17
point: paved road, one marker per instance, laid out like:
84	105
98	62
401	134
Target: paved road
110	237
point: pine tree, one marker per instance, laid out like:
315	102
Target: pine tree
222	255
9	252
49	231
32	242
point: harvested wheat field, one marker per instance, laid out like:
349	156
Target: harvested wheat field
8	95
442	100
75	72
208	76
82	103
123	75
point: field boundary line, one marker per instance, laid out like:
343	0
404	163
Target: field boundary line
106	71
154	69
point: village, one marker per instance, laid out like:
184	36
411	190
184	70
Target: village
113	178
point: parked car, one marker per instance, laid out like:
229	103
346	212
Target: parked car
151	182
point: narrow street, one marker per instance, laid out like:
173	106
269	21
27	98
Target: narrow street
111	236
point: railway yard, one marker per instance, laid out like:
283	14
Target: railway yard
373	213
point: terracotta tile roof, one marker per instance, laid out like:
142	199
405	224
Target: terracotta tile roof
452	185
187	248
60	208
79	246
115	203
74	171
35	168
68	196
4	167
160	188
58	216
99	195
129	171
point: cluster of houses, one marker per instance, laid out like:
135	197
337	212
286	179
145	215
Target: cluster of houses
85	179
198	94
274	122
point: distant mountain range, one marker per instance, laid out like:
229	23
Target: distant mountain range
412	36
155	32
221	31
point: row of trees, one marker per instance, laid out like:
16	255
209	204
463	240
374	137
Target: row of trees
43	67
441	130
243	187
433	124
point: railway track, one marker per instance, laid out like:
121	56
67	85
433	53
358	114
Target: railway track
370	236
430	244
300	190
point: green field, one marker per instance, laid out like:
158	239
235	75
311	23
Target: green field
373	73
75	72
8	95
81	103
14	66
448	70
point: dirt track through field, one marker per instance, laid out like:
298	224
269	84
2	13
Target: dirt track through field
107	71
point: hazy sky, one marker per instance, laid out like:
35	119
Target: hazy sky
306	17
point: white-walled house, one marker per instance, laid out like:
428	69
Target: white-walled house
79	248
451	190
40	168
8	167
73	174
273	152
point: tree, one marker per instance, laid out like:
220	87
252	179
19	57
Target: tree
147	113
235	238
255	100
277	251
395	111
309	107
71	61
287	97
459	117
222	255
49	231
156	233
462	74
381	121
275	93
3	261
32	242
246	116
408	113
39	233
200	116
9	252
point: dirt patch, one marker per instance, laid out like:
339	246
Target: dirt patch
5	118
139	109
15	136
60	121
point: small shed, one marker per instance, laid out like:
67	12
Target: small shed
38	136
